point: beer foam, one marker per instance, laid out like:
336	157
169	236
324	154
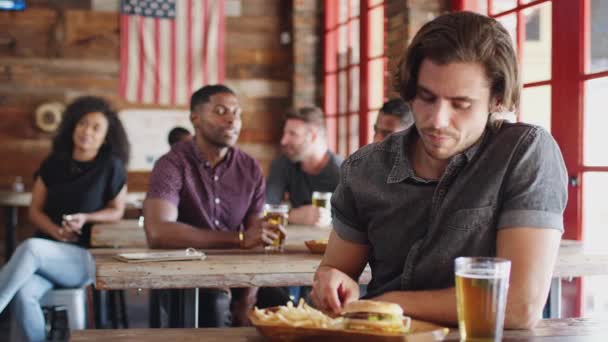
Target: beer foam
480	274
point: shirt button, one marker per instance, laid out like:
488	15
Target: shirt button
217	223
217	200
216	178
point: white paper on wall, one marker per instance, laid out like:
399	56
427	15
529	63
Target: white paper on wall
148	130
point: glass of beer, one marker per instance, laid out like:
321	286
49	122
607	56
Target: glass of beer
275	215
481	293
321	199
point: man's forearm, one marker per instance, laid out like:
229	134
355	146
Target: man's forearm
434	305
300	216
180	235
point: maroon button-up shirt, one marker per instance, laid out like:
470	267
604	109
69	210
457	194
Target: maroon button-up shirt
217	198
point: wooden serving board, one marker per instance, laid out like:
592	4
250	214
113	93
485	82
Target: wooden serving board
420	331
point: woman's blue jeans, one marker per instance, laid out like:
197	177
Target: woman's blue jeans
37	266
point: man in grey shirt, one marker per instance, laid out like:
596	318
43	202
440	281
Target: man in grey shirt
306	165
455	184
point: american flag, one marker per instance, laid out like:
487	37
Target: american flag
170	48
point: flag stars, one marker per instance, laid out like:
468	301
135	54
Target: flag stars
160	9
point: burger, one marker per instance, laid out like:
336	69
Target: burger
370	315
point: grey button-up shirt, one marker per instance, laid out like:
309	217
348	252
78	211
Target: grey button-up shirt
514	176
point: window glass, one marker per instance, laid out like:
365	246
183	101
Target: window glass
510	23
354	89
342	90
354	8
354	133
595	210
595	236
536	106
376	28
330	122
342	46
503	5
343	11
354	39
342	137
481	7
595	123
372	117
376	83
599	36
536	59
331	105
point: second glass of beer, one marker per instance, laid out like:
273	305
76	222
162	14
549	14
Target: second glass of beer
481	293
321	199
275	215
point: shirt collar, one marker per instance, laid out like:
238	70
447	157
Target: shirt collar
402	168
198	156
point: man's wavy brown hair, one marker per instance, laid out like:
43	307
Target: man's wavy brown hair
464	37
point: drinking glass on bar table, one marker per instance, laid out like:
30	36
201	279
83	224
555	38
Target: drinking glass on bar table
481	293
275	215
322	200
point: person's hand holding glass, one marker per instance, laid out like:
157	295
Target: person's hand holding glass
275	221
265	231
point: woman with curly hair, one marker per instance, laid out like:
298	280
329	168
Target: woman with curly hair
82	181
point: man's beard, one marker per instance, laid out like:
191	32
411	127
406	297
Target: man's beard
293	155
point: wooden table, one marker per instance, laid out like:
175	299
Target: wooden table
240	268
229	268
295	266
124	233
130	233
12	201
559	330
221	268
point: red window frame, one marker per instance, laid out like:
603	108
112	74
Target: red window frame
332	69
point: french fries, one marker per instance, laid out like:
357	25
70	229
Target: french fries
298	316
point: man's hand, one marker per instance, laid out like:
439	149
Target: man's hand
332	289
261	233
310	215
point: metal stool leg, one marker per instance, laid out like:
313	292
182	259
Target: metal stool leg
176	309
123	309
112	308
154	314
100	301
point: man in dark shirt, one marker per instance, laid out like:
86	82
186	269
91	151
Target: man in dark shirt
306	165
455	184
177	134
206	193
395	115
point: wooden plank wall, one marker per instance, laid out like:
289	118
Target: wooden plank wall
57	50
57	53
